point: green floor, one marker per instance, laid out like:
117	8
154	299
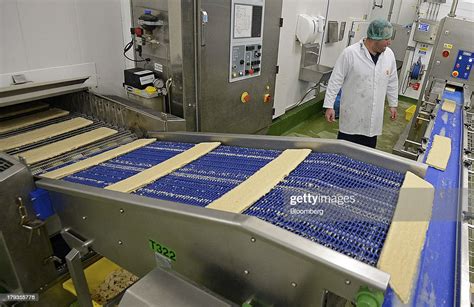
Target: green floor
316	126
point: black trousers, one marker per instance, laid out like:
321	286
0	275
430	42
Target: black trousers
358	139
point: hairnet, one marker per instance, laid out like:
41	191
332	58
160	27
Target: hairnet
379	29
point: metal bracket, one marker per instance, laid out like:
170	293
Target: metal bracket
204	21
79	247
25	222
74	265
75	242
375	4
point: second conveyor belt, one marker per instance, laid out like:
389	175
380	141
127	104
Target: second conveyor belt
356	225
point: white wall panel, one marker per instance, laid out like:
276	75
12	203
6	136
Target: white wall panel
101	38
289	90
49	32
43	37
13	55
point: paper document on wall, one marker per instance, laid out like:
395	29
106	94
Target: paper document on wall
243	21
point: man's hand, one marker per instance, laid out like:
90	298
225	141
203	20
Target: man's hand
330	115
393	113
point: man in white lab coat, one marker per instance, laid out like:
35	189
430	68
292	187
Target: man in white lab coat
366	72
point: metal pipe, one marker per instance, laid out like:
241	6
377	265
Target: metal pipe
454	6
390	11
438	6
197	52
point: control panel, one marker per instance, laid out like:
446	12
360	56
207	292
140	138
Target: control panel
246	39
425	31
463	65
246	61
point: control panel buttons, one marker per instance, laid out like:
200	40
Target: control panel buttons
463	64
245	97
445	53
245	62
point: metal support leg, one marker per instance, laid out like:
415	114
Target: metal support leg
73	260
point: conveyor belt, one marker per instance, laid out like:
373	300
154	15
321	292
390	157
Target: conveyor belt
357	229
37	125
436	278
122	137
125	166
356	226
54	139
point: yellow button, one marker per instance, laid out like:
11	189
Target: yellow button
150	89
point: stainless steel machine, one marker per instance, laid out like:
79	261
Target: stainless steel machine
449	77
28	262
450	64
162	232
219	58
183	252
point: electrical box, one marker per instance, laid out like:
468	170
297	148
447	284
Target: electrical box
453	53
425	31
209	55
138	78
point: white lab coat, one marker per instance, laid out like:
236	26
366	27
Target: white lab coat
364	86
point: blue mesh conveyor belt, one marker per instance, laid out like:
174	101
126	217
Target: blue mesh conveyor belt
356	226
127	165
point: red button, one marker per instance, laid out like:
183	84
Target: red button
445	53
455	74
251	71
138	32
245	97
